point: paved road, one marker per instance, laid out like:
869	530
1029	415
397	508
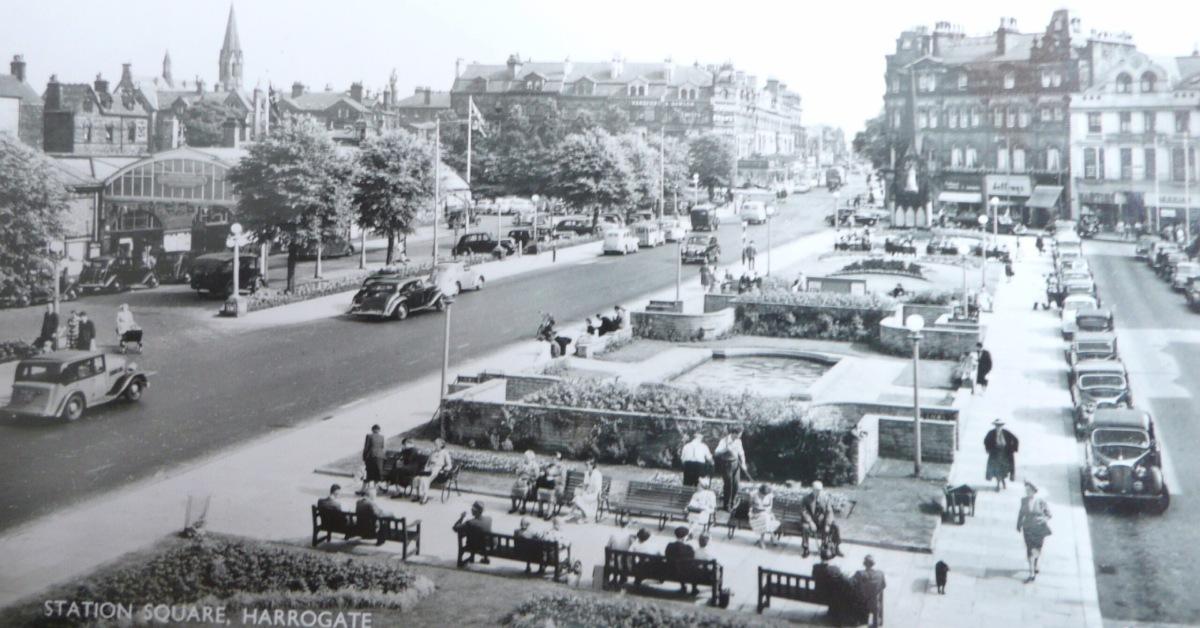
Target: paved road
216	388
1143	561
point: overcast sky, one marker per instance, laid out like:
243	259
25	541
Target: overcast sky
832	53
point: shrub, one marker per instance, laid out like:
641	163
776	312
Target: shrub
11	350
818	315
933	297
870	301
564	610
871	265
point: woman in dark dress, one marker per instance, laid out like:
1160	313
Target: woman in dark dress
1001	446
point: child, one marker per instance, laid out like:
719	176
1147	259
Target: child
940	570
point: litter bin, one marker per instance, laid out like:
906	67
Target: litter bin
960	502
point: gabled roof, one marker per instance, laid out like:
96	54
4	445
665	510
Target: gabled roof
168	98
10	87
320	101
437	100
601	73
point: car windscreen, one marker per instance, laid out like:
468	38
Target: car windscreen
1092	322
1101	381
37	373
380	287
1093	347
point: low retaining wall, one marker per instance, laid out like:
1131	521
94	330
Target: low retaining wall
683	327
868	446
928	312
939	342
939	439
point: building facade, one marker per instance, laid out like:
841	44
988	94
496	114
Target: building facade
1133	141
21	110
93	119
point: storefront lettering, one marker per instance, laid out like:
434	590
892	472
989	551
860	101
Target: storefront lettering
1007	185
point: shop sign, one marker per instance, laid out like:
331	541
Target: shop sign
1179	200
180	179
951	185
1007	185
1166	213
1097	198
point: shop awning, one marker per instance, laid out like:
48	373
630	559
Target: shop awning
960	197
1044	196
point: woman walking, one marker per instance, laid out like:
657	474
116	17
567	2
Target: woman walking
1001	446
1033	523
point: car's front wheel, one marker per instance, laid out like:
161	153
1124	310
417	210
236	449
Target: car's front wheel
117	287
134	391
479	283
440	304
74	408
400	313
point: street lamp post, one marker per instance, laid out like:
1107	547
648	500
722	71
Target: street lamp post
695	189
449	301
534	232
236	231
837	223
768	244
983	221
362	247
995	205
915	324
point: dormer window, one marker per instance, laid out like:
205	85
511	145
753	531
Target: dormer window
479	85
1124	83
1148	82
585	87
535	84
637	90
687	93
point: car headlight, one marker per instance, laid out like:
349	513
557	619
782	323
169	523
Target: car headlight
1139	486
1100	472
1139	472
132	366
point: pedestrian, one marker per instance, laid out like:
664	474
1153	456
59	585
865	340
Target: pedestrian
1040	245
869	583
800	284
1008	272
1033	524
1001	446
751	252
705	277
45	340
73	330
940	571
86	336
696	458
984	367
731	459
372	456
712	252
125	320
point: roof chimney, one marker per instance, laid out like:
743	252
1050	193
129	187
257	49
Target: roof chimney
127	73
297	89
458	64
617	66
100	85
514	66
17	67
356	91
428	94
669	69
53	93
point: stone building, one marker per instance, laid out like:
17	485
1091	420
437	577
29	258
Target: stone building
98	120
351	116
21	111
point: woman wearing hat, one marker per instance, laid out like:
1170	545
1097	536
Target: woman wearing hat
1001	446
1033	524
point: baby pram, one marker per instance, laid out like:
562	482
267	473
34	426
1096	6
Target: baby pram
131	337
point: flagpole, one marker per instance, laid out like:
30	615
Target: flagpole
437	173
662	183
470	132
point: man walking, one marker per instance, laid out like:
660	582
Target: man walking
695	457
86	336
373	453
732	461
985	367
751	252
870	583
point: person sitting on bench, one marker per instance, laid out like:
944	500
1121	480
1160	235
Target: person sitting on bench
679	550
817	520
476	529
835	586
333	500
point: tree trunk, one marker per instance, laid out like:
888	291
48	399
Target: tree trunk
391	249
293	252
265	254
595	217
317	271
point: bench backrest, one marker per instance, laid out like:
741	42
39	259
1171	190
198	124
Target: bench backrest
652	566
509	546
787	585
334	520
658	495
575	480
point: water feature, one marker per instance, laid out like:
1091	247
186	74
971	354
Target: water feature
765	375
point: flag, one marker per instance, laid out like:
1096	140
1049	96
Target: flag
475	118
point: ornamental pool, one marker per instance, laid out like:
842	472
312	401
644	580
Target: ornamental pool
762	374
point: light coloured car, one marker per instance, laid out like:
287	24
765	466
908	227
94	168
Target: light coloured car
1072	305
673	229
454	277
754	212
802	187
1184	271
620	240
65	383
649	234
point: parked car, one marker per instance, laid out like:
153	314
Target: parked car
66	383
1123	461
801	187
843	217
1092	345
114	274
1098	384
695	248
1077	264
213	274
673	229
483	243
396	297
1094	319
331	247
612	218
523	236
1160	252
640	215
1072	305
649	234
1182	274
574	227
869	217
620	240
753	212
1169	261
454	277
704	219
174	267
1145	243
1192	292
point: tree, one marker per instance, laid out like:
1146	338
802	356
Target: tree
591	170
33	204
395	179
711	157
643	168
871	142
293	187
203	121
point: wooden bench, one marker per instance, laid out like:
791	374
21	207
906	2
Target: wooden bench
664	502
381	530
529	551
401	476
789	512
574	481
620	565
789	586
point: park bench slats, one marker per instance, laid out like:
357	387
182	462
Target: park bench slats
661	501
383	529
789	586
619	566
529	551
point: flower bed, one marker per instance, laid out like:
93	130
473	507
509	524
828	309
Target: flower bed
933	297
220	571
816	315
666	400
564	610
889	266
13	350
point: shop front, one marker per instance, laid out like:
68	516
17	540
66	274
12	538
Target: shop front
1006	195
1043	205
960	200
177	200
1173	207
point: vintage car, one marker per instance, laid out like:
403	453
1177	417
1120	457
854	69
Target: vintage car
1182	274
523	236
1071	306
331	247
1159	249
213	274
65	383
174	267
704	218
1067	251
899	246
635	216
114	274
1080	286
869	217
483	243
382	296
1123	461
611	219
1098	384
1074	264
1168	262
1145	243
649	234
1077	277
753	212
695	248
1088	320
454	277
1192	292
620	240
673	229
574	227
1092	345
844	217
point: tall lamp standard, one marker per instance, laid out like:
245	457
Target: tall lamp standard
995	205
983	221
915	324
695	189
534	231
449	301
837	223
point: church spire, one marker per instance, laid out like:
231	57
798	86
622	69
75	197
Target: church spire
231	56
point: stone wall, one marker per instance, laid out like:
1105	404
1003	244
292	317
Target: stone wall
937	342
928	312
868	446
517	386
938	439
679	326
715	301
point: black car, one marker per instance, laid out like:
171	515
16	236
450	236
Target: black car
574	227
523	236
114	274
174	267
213	274
483	243
383	296
331	247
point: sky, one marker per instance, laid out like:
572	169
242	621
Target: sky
832	53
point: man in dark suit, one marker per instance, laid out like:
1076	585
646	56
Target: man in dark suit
870	583
835	586
985	367
49	328
87	333
373	453
369	513
331	502
476	529
679	550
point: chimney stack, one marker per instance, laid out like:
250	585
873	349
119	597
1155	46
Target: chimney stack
297	89
199	85
356	91
100	85
568	67
428	94
127	73
514	66
458	64
53	93
617	66
17	67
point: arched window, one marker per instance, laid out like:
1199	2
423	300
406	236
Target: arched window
1010	80
1148	82
972	158
1124	83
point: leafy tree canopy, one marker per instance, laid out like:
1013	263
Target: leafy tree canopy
711	157
33	204
202	122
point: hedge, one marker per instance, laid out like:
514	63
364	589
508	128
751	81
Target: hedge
13	350
564	610
886	265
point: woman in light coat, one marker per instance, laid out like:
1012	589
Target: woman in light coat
1033	523
587	495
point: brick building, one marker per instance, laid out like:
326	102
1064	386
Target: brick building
96	120
20	106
